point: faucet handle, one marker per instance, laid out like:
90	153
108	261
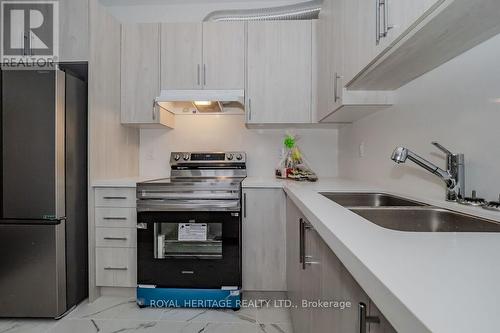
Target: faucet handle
440	147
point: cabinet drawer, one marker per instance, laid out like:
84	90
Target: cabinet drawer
116	237
115	197
116	267
115	217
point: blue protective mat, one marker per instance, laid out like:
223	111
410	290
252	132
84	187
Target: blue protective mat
188	298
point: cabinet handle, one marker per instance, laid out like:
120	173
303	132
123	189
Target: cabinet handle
114	218
114	198
30	43
387	27
382	33
336	94
244	205
25	44
198	74
249	109
115	268
364	318
116	238
301	242
204	75
377	22
303	226
154	107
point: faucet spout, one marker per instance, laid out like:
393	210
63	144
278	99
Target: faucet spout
454	176
400	155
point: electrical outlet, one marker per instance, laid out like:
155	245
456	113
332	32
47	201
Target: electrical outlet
150	154
361	149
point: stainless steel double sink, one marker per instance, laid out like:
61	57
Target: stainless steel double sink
396	213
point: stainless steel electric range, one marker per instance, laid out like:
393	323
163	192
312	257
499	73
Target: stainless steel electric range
189	232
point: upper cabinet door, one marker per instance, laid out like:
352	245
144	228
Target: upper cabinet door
181	56
223	55
73	30
140	77
359	33
324	63
401	15
279	73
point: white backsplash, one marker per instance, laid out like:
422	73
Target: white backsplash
228	132
457	104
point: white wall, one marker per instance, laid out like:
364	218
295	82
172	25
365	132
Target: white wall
228	132
190	11
457	104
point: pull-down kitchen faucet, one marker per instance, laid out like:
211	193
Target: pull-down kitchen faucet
453	176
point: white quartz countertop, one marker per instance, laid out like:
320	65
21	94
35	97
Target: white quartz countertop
422	282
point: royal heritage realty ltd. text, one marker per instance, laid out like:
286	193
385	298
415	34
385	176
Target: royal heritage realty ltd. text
251	303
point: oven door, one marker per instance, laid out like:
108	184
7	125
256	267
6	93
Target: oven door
189	249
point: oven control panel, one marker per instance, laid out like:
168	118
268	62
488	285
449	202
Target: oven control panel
207	157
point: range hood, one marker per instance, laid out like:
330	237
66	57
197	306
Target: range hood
202	101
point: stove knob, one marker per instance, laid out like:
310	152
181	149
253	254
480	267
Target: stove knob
230	156
185	157
177	157
239	157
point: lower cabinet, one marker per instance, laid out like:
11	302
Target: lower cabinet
263	243
115	237
314	273
116	267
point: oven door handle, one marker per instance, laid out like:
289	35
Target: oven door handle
187	205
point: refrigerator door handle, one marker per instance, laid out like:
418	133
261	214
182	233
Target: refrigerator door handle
60	136
39	222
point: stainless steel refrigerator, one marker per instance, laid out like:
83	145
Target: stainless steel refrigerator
43	182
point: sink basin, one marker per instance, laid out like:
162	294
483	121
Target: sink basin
426	219
370	200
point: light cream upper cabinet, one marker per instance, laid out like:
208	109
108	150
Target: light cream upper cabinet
359	19
73	30
339	56
323	50
279	72
208	55
140	76
181	56
264	252
370	26
390	43
401	15
223	55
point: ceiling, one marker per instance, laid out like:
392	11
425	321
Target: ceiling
153	11
184	2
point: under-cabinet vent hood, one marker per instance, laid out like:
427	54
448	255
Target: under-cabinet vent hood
202	101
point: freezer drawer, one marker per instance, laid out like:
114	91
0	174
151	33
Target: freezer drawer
32	270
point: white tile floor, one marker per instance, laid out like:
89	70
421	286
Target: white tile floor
121	315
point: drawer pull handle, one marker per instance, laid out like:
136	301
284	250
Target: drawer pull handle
115	198
114	218
116	238
115	268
